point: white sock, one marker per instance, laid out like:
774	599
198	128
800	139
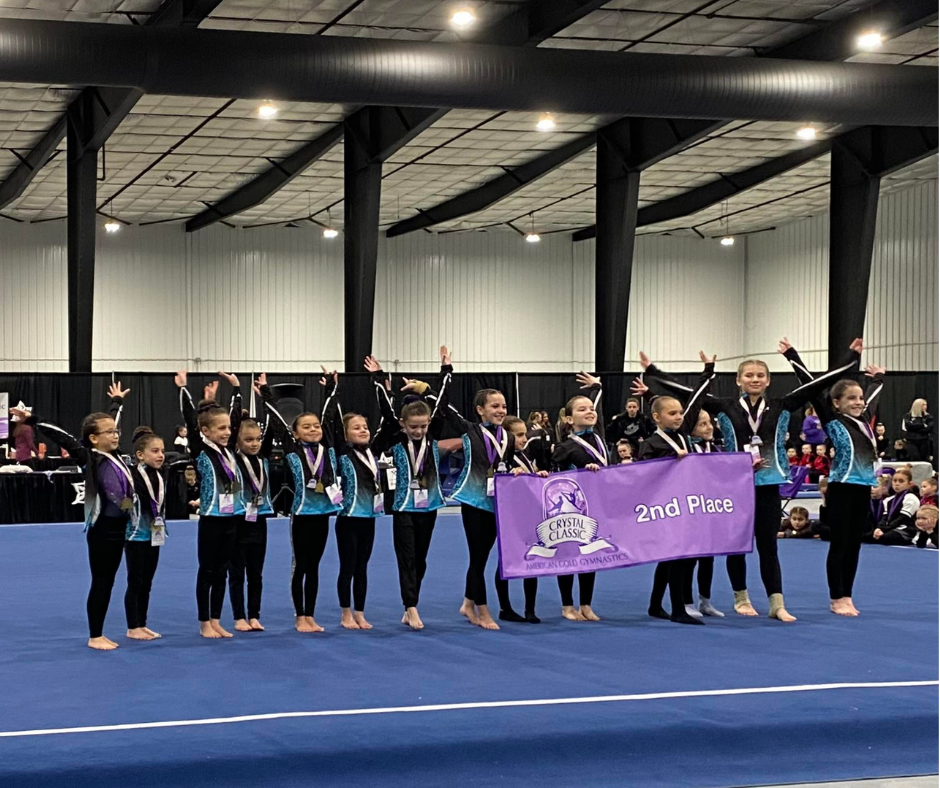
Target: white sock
690	609
706	607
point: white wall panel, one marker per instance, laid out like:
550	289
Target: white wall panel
788	286
33	299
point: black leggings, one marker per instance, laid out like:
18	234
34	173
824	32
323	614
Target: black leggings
214	544
251	546
105	547
530	587
354	538
766	524
706	570
141	559
674	575
585	589
479	526
412	533
847	505
308	535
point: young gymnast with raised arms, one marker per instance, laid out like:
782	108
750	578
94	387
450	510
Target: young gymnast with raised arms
109	501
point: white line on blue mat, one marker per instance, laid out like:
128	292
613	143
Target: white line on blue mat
493	704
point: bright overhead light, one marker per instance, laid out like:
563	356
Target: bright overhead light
728	240
546	123
870	40
329	232
112	226
267	110
806	133
463	18
533	238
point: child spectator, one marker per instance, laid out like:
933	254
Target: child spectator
896	526
900	451
821	526
180	440
928	492
926	524
881	438
806	458
821	461
797	525
624	452
792	457
192	489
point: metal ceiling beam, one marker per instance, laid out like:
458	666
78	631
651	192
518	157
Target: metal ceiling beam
391	128
110	105
835	41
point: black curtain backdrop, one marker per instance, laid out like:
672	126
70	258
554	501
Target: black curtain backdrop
65	398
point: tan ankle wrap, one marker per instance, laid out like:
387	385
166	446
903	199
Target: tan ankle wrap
741	599
776	604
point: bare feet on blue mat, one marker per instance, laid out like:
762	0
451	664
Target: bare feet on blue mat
314	626
153	634
746	609
139	633
347	620
412	619
589	615
217	626
485	619
571	613
102	644
242	625
843	607
207	630
255	625
360	618
469	610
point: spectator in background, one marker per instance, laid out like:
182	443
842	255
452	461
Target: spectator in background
181	441
928	492
806	458
24	439
881	437
192	489
820	464
821	525
900	451
917	427
792	457
538	441
630	425
896	526
926	524
797	525
561	428
624	451
812	432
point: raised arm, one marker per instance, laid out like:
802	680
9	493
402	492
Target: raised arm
785	349
876	383
812	390
331	417
234	409
188	411
55	434
592	389
713	405
694	403
117	394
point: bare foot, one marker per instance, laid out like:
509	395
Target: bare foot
207	631
139	633
217	626
469	610
361	620
347	620
301	625
589	615
485	619
242	626
314	626
569	612
851	604
255	625
108	640
745	610
102	644
151	632
412	619
781	614
841	607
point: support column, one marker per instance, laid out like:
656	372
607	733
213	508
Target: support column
853	209
363	191
81	184
618	188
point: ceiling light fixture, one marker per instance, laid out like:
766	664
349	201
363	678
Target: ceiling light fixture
533	238
806	133
267	110
329	232
728	240
463	18
869	41
112	226
546	122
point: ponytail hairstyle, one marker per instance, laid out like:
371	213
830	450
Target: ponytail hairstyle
416	407
753	362
659	404
839	389
90	425
510	421
143	437
483	396
569	405
348	417
535	417
179	428
248	421
208	411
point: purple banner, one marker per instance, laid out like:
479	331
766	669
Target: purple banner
624	515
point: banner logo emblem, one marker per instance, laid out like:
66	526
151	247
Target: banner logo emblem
565	519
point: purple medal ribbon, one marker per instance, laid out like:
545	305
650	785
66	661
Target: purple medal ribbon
491	453
311	461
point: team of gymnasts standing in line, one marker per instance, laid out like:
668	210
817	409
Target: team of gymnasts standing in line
333	459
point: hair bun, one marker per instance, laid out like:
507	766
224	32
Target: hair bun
206	405
140	432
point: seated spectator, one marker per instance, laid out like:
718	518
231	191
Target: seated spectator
192	488
926	524
820	464
806	458
180	441
896	526
24	438
928	492
797	525
881	436
900	451
821	526
792	457
624	452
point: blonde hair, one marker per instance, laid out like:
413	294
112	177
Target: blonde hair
753	361
930	509
917	407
